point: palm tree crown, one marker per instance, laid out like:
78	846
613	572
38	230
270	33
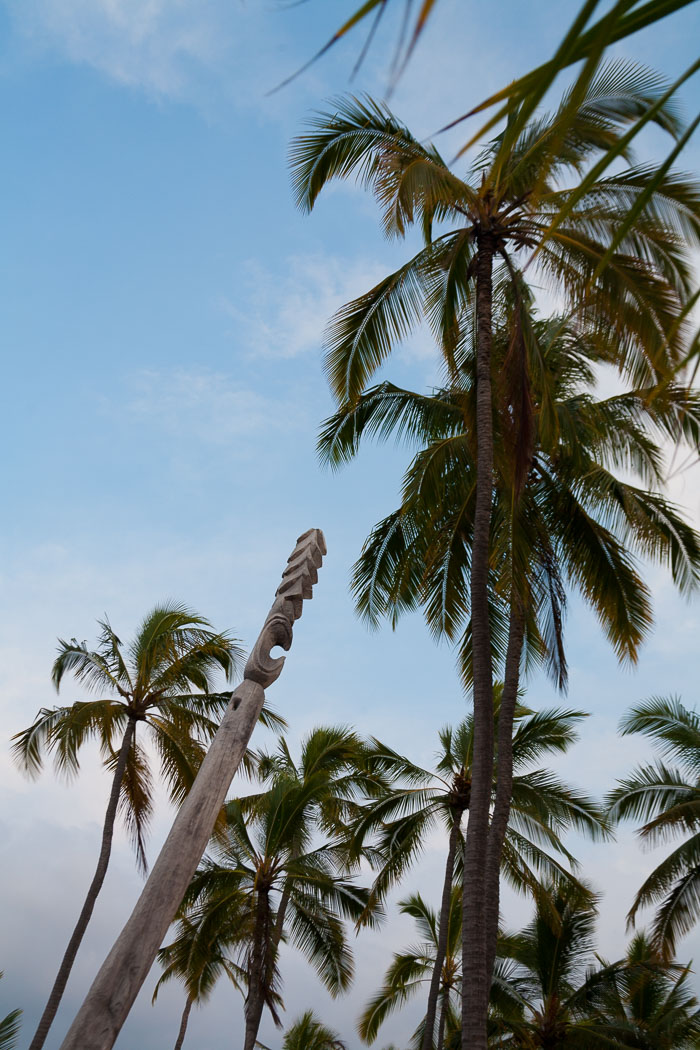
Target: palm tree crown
165	679
575	521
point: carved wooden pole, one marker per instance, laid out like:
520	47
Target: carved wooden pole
118	982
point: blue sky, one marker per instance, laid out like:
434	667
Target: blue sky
163	307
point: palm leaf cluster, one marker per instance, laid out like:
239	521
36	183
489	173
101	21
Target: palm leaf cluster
666	798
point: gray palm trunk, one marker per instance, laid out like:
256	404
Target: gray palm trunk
504	782
183	1023
475	986
98	878
259	970
443	1017
443	930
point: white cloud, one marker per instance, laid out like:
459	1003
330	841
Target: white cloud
158	45
285	317
201	405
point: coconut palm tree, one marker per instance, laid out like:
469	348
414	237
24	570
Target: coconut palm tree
166	681
412	970
543	808
574	518
9	1027
197	957
667	799
292	889
574	999
308	1033
631	280
557	976
649	1003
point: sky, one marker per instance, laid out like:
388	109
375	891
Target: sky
163	308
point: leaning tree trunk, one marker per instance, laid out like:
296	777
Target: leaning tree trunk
183	1023
258	970
123	972
504	781
92	894
475	986
443	931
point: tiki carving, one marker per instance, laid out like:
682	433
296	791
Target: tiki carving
298	578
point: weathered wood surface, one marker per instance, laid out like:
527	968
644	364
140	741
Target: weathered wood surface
121	976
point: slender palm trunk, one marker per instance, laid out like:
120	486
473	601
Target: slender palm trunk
475	982
504	781
183	1023
443	1017
443	931
95	887
255	1000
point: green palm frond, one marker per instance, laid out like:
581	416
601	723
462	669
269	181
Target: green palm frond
308	1033
9	1028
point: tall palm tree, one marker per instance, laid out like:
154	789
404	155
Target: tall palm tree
631	279
411	970
197	957
557	976
649	1003
574	999
417	800
165	680
667	799
292	889
574	516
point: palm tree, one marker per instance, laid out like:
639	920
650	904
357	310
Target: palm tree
308	1033
165	680
574	517
9	1027
197	957
574	999
649	1003
291	889
667	799
412	969
558	978
631	280
542	809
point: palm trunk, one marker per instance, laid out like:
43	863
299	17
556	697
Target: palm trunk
183	1023
443	1018
255	1000
443	930
474	960
89	905
504	781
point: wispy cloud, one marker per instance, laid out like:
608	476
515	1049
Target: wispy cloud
206	406
287	316
162	46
